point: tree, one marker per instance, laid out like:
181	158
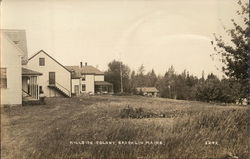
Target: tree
166	84
209	90
140	77
215	90
229	91
113	75
152	78
181	86
235	55
133	82
141	70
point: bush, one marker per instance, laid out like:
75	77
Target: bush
215	90
131	112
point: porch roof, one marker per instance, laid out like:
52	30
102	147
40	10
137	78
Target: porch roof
102	83
27	72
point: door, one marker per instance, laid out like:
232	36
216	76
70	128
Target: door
76	90
52	78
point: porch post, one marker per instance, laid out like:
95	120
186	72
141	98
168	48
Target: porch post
38	89
34	86
31	86
36	94
33	83
28	83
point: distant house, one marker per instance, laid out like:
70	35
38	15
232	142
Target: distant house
56	79
147	91
88	80
17	81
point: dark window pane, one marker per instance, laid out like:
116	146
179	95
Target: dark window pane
3	78
83	87
41	62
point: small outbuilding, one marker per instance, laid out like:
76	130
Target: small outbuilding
147	91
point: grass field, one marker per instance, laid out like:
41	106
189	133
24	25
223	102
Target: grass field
55	130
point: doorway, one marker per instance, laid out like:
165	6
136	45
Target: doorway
52	78
77	90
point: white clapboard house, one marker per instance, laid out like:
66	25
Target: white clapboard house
18	83
56	79
87	79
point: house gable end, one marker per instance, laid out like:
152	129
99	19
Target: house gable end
12	44
18	39
42	51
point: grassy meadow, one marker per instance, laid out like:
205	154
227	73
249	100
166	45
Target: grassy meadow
52	131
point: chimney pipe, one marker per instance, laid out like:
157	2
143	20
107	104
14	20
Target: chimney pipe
86	64
81	64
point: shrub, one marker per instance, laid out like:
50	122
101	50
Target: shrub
131	112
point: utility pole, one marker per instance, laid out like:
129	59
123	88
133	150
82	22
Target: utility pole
121	72
169	86
121	76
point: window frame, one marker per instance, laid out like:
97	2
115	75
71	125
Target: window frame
2	78
84	86
83	77
41	61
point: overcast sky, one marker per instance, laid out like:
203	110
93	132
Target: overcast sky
156	33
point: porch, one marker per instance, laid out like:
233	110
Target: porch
103	87
30	87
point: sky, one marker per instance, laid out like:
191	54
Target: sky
155	33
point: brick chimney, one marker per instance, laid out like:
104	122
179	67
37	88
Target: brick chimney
81	64
86	64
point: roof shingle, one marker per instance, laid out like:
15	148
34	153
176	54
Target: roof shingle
78	71
147	89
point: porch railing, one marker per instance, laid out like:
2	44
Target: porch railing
59	86
25	92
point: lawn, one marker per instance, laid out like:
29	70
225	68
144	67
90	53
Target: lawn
157	128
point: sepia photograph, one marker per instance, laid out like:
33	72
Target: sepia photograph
125	79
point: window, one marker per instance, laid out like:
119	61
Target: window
83	87
3	78
40	89
41	61
83	78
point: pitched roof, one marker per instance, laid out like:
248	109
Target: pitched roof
78	71
18	37
147	89
42	51
26	71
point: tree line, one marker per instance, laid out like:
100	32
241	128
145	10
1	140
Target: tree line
172	85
